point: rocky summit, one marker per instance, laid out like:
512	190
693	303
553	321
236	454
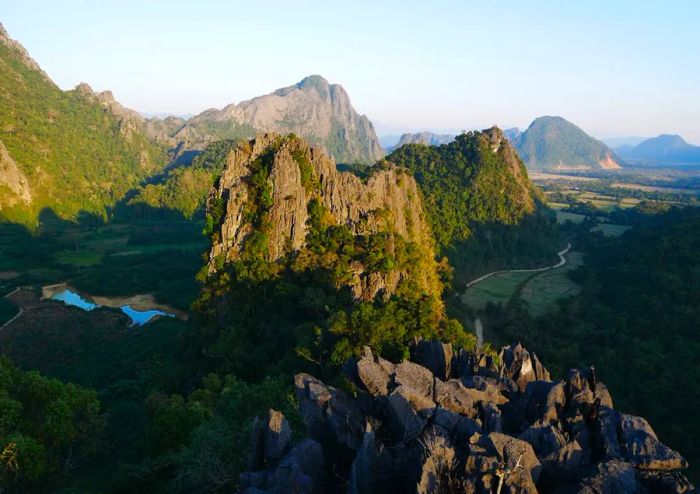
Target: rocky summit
314	109
387	201
449	422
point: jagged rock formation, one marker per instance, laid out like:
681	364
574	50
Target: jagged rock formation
552	143
389	202
449	423
427	138
318	111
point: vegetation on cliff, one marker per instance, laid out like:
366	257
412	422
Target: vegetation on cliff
485	213
301	310
71	153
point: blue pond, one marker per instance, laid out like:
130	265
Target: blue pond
138	317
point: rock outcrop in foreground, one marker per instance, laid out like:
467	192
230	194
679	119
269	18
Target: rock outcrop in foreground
461	423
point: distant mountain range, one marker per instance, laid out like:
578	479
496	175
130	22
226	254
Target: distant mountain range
81	151
428	138
553	143
666	149
616	142
313	109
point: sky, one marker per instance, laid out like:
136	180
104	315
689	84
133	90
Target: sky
614	68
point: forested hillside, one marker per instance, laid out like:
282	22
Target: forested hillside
484	211
62	150
553	143
636	320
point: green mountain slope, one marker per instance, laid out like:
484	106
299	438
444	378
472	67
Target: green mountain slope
484	211
552	143
62	150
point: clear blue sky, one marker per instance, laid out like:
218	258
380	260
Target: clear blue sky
613	67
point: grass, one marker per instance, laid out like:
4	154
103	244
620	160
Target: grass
564	216
610	230
497	289
80	258
540	290
543	290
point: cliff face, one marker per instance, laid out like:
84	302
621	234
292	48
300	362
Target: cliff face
387	202
449	422
318	111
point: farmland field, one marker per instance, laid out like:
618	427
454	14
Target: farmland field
542	291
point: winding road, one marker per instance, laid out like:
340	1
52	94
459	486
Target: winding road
478	327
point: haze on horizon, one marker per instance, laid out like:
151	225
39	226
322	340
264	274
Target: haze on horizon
613	68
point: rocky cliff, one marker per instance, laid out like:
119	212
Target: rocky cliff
459	422
318	111
388	202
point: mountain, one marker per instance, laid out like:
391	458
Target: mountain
313	109
552	143
297	175
616	142
309	264
484	211
69	151
512	134
477	177
428	138
663	149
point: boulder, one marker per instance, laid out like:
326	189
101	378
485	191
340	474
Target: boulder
374	373
665	482
300	471
544	439
408	413
435	356
330	416
491	417
510	450
371	466
518	365
415	377
612	477
278	436
563	464
643	449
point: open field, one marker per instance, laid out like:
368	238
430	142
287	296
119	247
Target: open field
564	216
497	289
610	230
540	290
543	290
